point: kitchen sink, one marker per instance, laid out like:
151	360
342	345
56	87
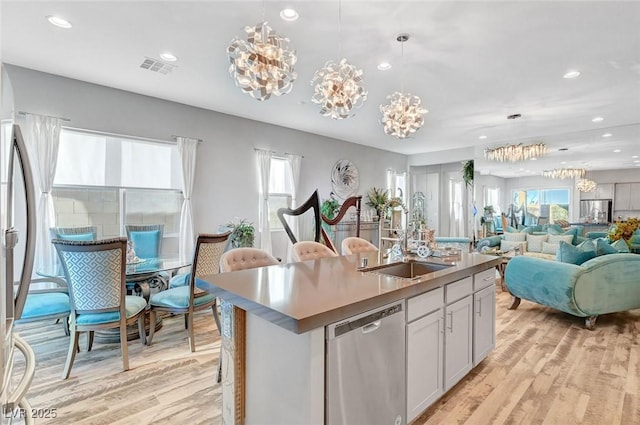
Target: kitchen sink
410	269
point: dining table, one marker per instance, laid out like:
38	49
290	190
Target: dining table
144	277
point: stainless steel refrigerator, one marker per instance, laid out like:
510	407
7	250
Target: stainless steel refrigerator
596	210
14	171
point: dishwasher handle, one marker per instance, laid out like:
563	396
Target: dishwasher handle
371	327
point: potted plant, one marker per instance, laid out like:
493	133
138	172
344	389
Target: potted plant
377	198
243	234
467	172
329	208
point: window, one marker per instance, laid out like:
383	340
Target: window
279	190
109	181
492	197
530	205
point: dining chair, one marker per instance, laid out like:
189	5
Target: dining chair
49	299
95	275
354	245
192	298
146	238
241	259
310	250
83	233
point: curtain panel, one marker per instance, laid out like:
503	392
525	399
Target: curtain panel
43	141
187	149
264	171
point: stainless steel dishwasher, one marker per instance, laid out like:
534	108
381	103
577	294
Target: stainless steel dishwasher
366	368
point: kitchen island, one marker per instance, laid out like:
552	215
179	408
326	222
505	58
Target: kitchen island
275	321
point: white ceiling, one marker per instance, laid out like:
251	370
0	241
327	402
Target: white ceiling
472	63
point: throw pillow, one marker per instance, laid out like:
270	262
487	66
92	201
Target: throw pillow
515	237
510	245
620	246
567	253
557	238
531	229
573	231
549	248
603	247
553	230
534	243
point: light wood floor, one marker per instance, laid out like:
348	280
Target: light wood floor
546	369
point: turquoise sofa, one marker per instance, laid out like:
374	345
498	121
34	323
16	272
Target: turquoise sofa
605	284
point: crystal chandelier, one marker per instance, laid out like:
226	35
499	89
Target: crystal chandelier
565	173
262	64
514	153
403	115
338	89
586	185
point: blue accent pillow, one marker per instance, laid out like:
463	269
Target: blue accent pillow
552	229
572	231
603	247
620	245
77	237
145	243
568	253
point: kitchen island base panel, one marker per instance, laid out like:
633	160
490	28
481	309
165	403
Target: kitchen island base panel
283	376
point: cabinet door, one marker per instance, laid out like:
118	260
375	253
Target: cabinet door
484	323
622	201
425	350
604	191
458	341
634	196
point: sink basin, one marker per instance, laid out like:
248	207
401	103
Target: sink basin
410	270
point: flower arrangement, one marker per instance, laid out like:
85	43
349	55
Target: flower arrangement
624	229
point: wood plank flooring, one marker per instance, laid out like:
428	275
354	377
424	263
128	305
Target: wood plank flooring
546	369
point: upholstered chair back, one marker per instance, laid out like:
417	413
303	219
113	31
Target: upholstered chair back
309	250
85	233
146	238
354	245
245	258
95	273
209	249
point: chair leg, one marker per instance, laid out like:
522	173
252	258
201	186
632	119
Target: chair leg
192	340
65	326
89	340
143	334
123	344
152	325
71	354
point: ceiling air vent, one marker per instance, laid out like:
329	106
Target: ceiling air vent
157	66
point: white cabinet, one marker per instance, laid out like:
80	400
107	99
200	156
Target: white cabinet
634	195
622	201
458	341
603	191
484	323
425	362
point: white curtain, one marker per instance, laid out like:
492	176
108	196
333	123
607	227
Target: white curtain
264	171
294	165
187	149
43	141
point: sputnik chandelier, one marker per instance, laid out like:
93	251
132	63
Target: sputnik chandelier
338	87
403	115
262	64
565	173
515	153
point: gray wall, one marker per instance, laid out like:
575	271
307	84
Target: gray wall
226	184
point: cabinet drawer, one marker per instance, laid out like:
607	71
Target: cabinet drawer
484	279
460	289
425	303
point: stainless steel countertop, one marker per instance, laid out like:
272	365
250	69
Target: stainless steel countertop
311	294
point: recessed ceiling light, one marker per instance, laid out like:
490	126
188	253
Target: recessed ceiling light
571	74
384	66
169	57
607	135
59	22
563	162
482	137
634	156
289	14
636	161
534	159
617	151
598	119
